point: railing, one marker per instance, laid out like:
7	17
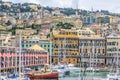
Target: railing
85	56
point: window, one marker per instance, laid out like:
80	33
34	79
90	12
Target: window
98	50
86	51
73	59
44	45
67	33
69	59
80	50
48	50
95	50
36	41
103	51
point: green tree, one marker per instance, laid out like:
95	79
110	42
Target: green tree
8	23
33	26
38	27
64	25
67	26
48	35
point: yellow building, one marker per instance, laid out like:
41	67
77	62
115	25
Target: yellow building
113	47
65	45
72	43
113	19
19	21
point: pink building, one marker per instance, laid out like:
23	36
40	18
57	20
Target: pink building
9	57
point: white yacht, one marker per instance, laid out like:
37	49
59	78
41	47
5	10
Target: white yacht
3	78
62	69
65	70
113	76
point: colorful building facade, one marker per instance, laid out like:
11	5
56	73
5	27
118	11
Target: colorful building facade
9	58
113	48
43	43
65	45
72	44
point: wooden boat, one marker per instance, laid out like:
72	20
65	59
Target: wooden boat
43	75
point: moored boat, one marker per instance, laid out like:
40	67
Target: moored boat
44	75
113	76
3	78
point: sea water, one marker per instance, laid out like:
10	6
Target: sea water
87	76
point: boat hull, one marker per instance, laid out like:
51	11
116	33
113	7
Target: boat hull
44	76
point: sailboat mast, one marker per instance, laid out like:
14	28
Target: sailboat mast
59	50
93	57
90	55
96	53
82	56
1	56
64	55
0	65
15	57
20	65
117	52
50	49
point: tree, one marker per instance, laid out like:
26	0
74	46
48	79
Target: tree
60	25
67	25
8	23
33	26
48	35
64	25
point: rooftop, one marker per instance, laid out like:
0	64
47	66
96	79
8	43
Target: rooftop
37	48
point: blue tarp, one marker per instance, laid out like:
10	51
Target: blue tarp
62	67
13	76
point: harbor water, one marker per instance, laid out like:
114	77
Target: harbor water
87	76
